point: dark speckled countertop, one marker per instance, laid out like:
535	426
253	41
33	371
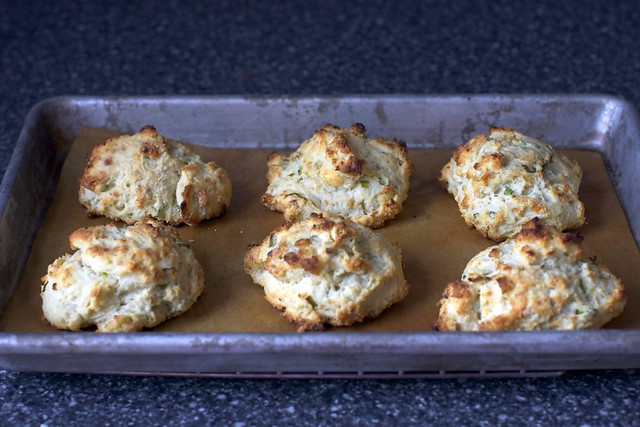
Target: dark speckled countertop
314	47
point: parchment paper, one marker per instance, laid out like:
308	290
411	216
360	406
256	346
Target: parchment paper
435	242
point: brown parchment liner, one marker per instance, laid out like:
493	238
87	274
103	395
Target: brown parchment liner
436	245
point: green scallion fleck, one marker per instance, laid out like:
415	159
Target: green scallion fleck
582	286
311	301
578	312
508	191
299	170
364	184
364	209
295	194
104	275
272	241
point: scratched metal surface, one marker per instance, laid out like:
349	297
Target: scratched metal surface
601	123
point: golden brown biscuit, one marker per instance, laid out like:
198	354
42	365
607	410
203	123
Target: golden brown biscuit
537	280
327	271
506	179
340	172
131	178
121	279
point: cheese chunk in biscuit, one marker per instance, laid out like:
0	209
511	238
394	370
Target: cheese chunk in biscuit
327	271
506	179
121	279
534	281
340	172
131	178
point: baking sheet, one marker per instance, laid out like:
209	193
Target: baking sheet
435	243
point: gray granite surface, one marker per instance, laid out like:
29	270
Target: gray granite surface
576	399
314	47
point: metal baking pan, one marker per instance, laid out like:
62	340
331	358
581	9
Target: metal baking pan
604	124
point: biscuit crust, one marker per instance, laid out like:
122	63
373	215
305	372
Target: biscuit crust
340	172
534	281
506	179
327	271
121	279
130	178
